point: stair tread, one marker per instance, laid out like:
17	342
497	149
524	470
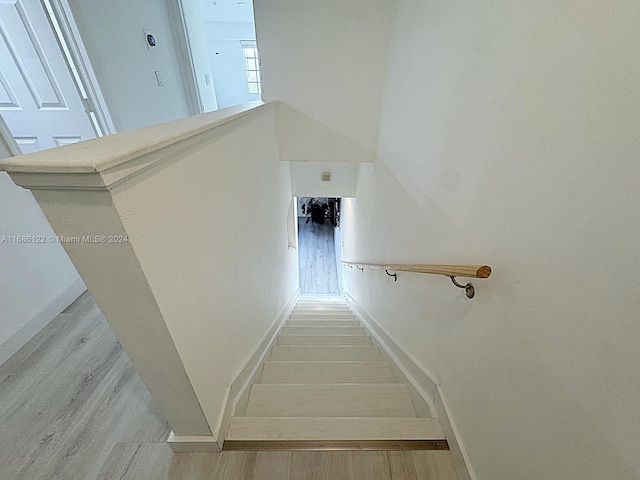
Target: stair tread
324	316
289	339
330	400
322	330
320	309
321	353
327	372
307	322
333	428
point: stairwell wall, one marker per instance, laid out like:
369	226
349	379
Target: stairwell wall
210	232
509	136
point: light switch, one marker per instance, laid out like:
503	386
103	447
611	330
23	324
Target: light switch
159	78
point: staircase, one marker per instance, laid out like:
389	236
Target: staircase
325	385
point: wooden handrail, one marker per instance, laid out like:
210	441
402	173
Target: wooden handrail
451	271
473	271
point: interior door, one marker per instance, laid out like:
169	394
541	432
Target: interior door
39	100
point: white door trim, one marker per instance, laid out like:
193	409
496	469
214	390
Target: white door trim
71	34
7	138
184	56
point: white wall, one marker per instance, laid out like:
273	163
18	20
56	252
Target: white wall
227	60
306	179
511	138
37	281
210	232
327	59
113	36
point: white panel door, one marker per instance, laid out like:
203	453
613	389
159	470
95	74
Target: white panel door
38	98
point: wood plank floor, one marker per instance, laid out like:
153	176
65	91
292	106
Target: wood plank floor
68	396
156	462
317	258
73	408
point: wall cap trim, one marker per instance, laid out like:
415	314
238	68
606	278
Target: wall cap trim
101	163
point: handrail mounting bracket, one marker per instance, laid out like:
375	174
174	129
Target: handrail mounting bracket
468	288
394	275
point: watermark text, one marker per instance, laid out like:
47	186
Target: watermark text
36	239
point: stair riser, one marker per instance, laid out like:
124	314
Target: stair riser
327	372
390	400
328	428
320	313
343	340
321	301
307	353
322	316
322	323
323	330
321	309
321	305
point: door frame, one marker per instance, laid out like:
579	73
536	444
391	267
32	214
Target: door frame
7	138
184	55
69	30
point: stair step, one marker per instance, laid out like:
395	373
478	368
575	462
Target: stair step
321	295
328	429
327	316
326	353
322	305
322	323
321	302
327	372
319	313
344	340
332	400
321	308
322	330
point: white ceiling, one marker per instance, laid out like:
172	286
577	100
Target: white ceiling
227	11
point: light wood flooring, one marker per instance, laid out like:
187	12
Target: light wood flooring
155	462
317	258
68	396
73	408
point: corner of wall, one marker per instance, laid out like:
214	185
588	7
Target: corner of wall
50	311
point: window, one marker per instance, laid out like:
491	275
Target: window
252	67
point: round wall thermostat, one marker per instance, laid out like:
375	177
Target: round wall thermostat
150	38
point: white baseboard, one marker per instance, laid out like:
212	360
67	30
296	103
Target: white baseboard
56	306
424	383
237	393
458	452
192	443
